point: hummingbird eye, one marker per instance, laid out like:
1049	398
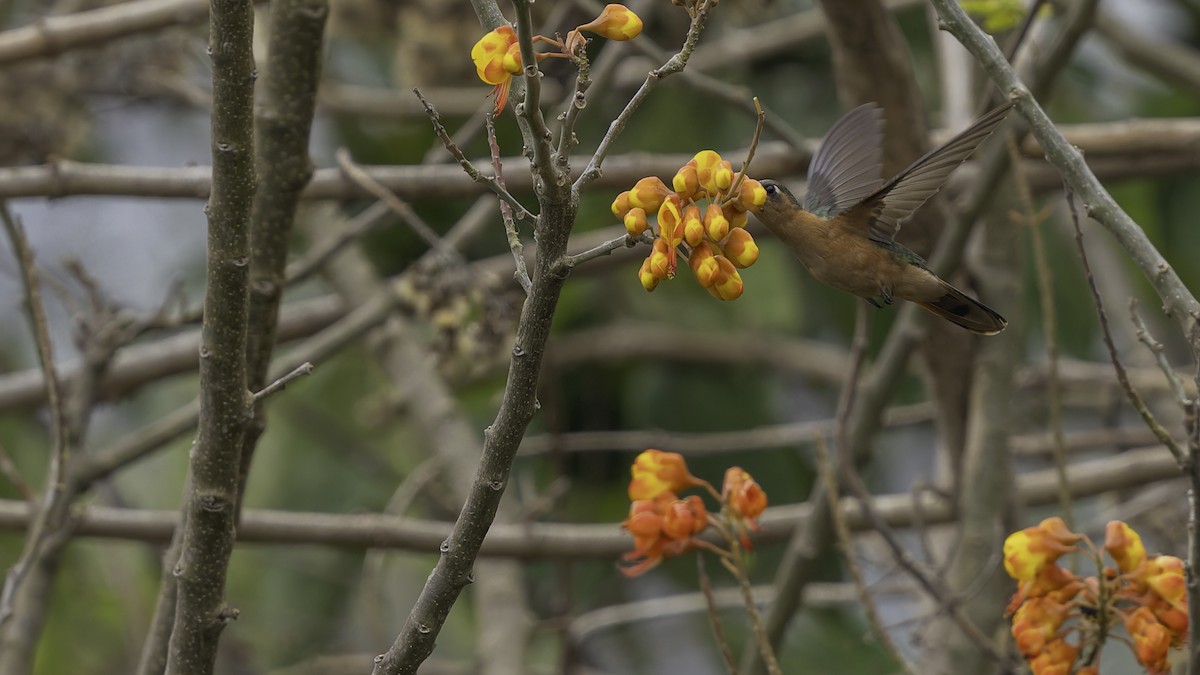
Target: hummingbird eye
771	189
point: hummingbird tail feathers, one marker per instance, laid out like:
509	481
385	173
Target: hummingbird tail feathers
963	310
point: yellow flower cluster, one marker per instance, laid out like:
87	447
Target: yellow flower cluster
705	209
497	55
663	524
1148	594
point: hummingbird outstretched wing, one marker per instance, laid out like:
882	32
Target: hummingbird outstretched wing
845	169
912	187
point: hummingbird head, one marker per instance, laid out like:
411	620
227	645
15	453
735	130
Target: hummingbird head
780	207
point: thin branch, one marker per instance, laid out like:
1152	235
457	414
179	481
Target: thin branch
934	586
714	618
1158	55
402	208
519	210
348	232
673	65
53	35
846	540
1181	455
607	248
10	471
1126	149
549	179
694	444
736	565
279	385
760	120
40	540
60	453
521	274
845	461
1045	283
1160	357
1130	469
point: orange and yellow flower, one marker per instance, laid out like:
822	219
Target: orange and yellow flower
616	22
704	211
656	472
497	58
661	528
1148	593
1124	545
1151	641
1026	552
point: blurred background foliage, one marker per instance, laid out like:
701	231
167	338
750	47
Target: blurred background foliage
335	441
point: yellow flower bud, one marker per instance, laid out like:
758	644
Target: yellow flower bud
704	264
616	22
621	205
729	283
635	222
1124	544
685	182
662	263
735	216
723	175
646	277
693	227
707	162
648	194
655	472
740	248
715	224
751	195
742	494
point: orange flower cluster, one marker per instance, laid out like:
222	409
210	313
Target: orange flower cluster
705	209
1148	594
497	55
664	524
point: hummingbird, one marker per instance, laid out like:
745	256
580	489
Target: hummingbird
844	232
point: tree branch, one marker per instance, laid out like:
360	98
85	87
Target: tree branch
210	502
1132	468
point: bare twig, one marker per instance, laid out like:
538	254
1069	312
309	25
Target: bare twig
360	177
760	119
51	35
709	443
1127	154
41	533
828	479
1156	348
608	247
737	567
518	209
549	178
349	232
1181	455
521	274
714	618
1045	282
279	385
1130	469
10	471
845	462
934	586
673	65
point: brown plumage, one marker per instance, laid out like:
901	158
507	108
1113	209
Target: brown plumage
844	231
